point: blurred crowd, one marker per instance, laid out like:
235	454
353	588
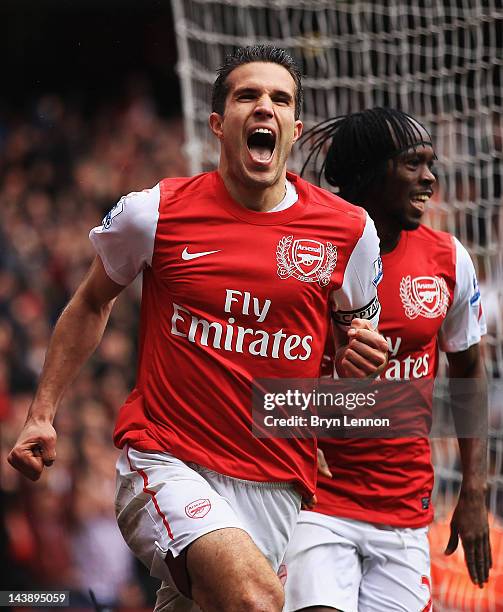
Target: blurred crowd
60	172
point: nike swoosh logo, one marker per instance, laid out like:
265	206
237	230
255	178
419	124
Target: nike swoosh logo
186	256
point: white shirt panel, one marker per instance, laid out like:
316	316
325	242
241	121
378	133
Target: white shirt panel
463	327
357	297
289	199
125	239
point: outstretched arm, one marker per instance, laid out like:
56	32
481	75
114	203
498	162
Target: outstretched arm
469	521
76	336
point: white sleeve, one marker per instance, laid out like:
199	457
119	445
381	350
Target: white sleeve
125	239
357	297
465	322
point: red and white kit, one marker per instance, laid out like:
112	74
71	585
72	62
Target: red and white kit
430	300
230	295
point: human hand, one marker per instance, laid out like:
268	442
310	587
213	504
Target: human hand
308	503
469	522
323	465
365	354
35	449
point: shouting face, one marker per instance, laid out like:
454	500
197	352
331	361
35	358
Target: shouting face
258	126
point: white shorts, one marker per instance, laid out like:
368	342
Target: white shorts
357	567
163	504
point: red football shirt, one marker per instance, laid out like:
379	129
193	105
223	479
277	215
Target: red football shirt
429	297
230	295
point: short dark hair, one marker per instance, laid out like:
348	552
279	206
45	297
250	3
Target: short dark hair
255	53
361	145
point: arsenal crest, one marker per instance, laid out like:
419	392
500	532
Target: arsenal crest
198	508
306	260
426	296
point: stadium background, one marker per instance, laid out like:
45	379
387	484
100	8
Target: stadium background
91	108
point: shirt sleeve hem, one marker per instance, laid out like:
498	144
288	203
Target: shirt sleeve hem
111	273
458	347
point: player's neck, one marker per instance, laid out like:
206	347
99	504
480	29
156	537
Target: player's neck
388	230
388	240
389	233
258	198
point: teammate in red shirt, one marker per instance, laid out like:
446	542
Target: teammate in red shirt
365	547
241	268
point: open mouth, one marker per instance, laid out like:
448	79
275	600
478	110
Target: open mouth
418	200
261	143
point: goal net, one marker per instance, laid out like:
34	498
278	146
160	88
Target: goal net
440	61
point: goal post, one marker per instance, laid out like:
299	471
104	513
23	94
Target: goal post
438	60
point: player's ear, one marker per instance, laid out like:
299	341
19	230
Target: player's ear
215	121
297	130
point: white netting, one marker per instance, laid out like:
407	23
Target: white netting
439	60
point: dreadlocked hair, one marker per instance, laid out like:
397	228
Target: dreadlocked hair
360	146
